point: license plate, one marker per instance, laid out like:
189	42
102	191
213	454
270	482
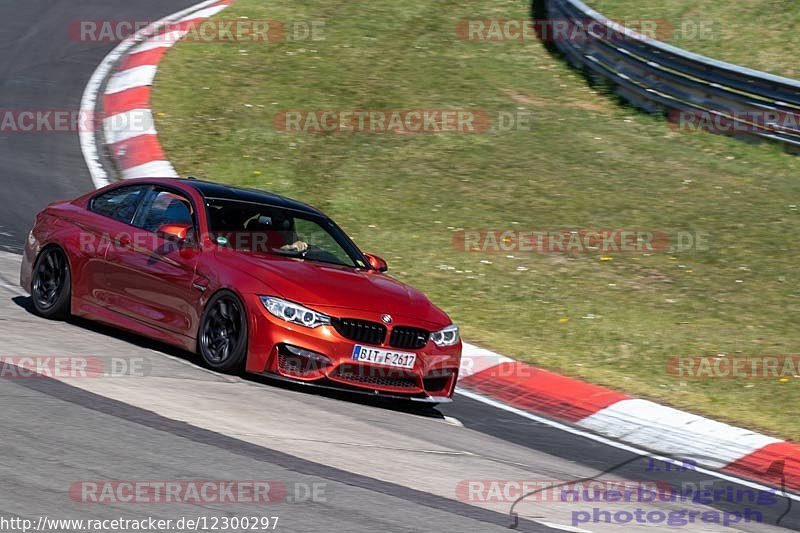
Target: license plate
384	357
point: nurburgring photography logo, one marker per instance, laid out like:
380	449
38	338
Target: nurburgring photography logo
614	501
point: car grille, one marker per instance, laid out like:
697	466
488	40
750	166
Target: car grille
409	338
375	376
360	330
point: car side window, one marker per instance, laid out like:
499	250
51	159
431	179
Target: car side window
120	204
165	207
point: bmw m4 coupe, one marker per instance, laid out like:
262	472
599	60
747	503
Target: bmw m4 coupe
250	281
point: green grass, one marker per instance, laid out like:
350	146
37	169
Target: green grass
586	162
760	34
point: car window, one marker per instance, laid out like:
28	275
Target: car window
322	246
269	229
119	204
164	207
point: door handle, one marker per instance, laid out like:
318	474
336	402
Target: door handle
124	240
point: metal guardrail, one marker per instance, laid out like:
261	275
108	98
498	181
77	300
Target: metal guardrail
661	78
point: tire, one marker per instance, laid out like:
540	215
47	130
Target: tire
222	337
51	289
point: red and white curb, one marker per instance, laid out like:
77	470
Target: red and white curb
641	423
128	129
591	411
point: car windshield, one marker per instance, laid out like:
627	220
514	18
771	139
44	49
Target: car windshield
255	227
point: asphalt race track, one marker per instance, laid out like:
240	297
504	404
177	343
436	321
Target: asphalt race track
43	68
346	464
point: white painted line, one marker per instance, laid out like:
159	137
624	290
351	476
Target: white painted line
453	421
153	169
657	427
619	445
204	13
128	79
191	9
90	94
562	527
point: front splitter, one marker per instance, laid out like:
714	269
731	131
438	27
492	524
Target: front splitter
355	390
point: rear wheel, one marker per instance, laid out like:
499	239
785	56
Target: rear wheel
223	333
52	284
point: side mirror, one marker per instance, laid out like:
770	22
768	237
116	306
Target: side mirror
175	232
377	263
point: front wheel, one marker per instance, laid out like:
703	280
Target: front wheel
52	284
223	333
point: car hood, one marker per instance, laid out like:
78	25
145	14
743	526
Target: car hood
317	284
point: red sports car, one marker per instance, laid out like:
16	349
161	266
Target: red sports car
249	280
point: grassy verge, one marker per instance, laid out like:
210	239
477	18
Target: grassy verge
585	162
760	34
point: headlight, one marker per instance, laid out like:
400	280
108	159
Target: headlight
292	312
445	337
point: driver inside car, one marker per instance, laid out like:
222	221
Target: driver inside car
280	232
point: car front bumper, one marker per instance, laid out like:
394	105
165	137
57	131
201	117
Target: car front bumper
274	347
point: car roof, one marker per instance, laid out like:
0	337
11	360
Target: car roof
211	190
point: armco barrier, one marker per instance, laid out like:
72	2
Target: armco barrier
661	78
